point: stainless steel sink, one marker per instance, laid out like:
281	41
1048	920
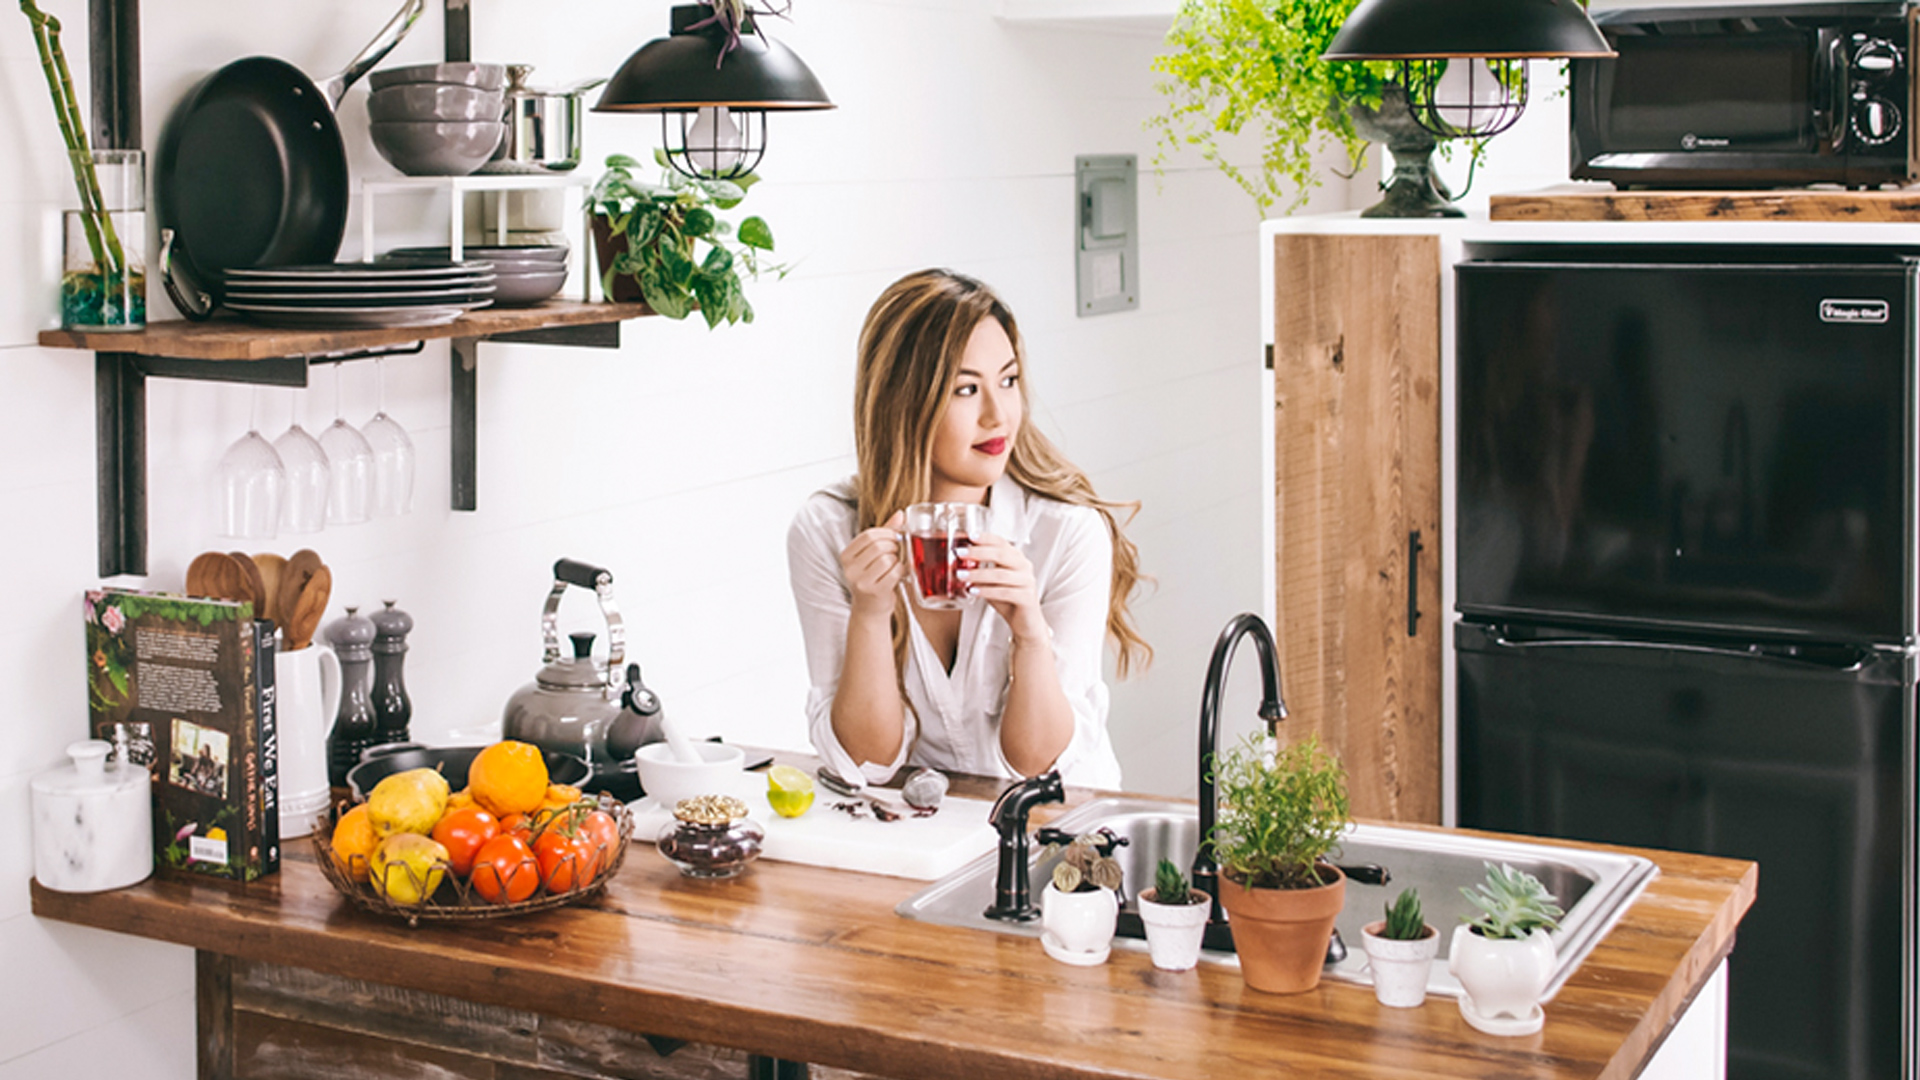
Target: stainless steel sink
1594	887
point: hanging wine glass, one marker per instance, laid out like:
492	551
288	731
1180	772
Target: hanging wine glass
252	480
392	456
304	508
349	466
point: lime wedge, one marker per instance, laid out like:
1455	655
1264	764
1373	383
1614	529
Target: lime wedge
789	790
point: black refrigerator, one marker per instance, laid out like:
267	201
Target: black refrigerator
1686	589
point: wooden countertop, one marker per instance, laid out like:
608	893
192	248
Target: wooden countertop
809	964
1590	202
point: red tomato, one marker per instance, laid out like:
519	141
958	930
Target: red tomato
518	823
602	835
567	862
505	870
462	832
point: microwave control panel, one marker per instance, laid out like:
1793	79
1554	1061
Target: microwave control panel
1877	74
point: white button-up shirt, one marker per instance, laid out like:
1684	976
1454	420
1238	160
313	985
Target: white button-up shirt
953	718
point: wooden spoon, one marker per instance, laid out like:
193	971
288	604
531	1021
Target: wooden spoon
216	575
256	584
304	619
293	580
270	566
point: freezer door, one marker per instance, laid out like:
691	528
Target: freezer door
1719	447
1799	762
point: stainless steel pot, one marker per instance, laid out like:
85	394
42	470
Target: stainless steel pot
543	126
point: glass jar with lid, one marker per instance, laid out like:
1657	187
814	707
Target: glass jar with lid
710	837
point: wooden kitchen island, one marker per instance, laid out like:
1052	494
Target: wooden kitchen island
807	964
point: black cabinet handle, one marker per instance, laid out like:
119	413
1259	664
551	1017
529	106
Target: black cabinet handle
1413	583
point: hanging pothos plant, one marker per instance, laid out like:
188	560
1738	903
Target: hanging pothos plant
1252	65
668	245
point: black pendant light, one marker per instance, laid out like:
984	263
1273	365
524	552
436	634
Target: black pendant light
1443	47
713	98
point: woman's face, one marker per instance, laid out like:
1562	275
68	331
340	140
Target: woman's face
984	411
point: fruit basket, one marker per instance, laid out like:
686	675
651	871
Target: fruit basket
490	890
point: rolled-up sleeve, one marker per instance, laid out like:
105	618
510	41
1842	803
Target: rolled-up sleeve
819	531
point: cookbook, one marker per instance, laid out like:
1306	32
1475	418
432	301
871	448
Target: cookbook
184	686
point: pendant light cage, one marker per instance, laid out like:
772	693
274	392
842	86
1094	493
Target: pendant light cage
1484	102
700	144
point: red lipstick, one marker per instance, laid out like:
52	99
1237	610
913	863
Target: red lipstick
992	447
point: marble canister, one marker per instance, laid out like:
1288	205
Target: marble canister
92	822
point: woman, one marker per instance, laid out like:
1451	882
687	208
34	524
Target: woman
1010	683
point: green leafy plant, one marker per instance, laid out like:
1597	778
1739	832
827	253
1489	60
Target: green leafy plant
674	245
1254	66
1280	815
1084	867
1170	886
1404	921
1512	904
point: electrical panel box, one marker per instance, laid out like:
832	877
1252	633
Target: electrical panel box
1106	194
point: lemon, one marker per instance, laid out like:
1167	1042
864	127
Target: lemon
789	790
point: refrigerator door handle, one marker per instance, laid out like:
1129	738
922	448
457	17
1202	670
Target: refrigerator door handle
1498	636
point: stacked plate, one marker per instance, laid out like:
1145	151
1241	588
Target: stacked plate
392	293
523	274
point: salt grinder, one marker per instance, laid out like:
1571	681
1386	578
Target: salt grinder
392	709
354	727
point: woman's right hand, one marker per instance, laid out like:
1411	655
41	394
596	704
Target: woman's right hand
872	566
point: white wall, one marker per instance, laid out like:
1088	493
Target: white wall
676	460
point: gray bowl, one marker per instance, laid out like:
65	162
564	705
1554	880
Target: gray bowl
437	148
482	76
435	101
532	256
514	286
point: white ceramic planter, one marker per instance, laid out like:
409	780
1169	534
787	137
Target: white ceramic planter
1173	930
1503	980
1399	968
1078	925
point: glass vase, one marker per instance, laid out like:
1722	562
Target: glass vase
103	283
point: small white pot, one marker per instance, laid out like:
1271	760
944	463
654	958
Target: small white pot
1399	968
1079	925
1173	930
1503	979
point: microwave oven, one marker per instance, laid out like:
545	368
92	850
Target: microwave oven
1748	97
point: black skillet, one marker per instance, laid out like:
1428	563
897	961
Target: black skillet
252	170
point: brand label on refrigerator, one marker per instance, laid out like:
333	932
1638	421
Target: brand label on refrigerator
1853	311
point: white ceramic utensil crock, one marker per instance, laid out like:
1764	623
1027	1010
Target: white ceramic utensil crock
308	684
92	822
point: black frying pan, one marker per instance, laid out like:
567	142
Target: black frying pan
453	762
252	170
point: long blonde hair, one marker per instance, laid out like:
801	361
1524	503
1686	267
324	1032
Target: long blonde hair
910	350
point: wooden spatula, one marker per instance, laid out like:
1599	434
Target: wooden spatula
256	584
293	580
270	566
215	574
304	618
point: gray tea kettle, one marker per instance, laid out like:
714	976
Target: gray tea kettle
577	705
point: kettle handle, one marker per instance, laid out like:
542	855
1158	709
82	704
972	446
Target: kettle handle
573	572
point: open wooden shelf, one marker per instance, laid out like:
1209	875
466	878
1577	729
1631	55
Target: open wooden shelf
1802	204
236	339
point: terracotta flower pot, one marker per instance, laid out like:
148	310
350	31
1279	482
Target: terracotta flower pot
1281	934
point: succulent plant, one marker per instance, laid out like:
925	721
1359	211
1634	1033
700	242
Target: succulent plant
1084	866
1404	921
1170	885
1512	904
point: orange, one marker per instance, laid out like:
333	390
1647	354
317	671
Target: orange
560	796
509	778
353	843
459	800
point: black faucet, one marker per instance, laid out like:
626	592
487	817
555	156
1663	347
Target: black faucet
1206	875
1012	899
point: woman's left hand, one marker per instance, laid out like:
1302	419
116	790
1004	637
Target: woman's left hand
1000	574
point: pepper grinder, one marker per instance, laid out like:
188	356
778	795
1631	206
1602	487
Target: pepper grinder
354	727
392	709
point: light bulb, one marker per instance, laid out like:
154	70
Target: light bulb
1467	91
713	142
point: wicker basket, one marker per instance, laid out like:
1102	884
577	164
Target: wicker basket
455	899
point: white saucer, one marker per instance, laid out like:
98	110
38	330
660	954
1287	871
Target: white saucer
1502	1025
1068	956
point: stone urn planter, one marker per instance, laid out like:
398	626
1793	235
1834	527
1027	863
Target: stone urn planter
1413	190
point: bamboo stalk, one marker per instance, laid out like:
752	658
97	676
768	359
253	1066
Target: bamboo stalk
102	238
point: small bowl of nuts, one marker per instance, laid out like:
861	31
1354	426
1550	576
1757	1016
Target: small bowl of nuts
710	836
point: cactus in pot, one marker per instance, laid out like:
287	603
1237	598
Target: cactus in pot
1175	915
1503	956
1400	950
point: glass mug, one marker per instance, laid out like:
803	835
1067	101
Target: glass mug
937	535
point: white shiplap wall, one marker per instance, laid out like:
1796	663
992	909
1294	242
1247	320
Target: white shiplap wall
676	460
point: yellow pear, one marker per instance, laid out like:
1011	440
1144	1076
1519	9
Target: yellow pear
408	867
408	802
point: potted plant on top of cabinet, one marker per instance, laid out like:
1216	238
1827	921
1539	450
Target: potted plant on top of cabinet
1503	956
1280	816
1400	951
669	246
1175	915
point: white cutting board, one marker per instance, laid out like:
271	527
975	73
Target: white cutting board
921	848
